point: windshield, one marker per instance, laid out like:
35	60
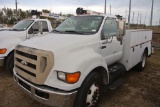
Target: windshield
22	25
80	25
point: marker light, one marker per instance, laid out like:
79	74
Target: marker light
3	51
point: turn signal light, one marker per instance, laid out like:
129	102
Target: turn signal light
3	51
72	78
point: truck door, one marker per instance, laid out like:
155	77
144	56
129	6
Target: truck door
111	48
34	29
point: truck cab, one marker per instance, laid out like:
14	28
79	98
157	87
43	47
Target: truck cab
23	30
72	65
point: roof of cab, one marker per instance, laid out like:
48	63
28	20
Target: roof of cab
104	15
36	19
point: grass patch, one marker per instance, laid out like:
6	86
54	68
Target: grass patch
158	51
155	58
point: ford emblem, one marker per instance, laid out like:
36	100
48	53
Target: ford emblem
24	63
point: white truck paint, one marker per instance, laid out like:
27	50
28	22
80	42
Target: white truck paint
90	55
20	32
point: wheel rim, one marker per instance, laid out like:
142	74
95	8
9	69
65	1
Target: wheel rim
92	95
144	60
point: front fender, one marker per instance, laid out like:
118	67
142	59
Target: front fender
84	60
10	46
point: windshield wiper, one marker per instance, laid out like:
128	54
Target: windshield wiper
16	29
13	29
56	31
73	31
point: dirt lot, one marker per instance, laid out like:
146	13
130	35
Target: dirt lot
141	89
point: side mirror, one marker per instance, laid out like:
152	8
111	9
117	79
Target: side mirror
121	29
40	27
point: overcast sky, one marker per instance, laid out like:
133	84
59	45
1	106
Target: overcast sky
120	7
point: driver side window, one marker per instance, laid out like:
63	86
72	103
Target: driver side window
114	28
33	29
106	29
109	28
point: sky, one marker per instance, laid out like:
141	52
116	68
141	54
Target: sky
121	7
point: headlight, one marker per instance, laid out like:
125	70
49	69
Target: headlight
3	51
70	78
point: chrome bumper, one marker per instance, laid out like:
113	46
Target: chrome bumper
46	95
1	62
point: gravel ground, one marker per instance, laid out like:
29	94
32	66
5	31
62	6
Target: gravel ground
140	89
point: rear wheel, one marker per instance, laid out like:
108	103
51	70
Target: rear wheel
9	63
141	65
90	92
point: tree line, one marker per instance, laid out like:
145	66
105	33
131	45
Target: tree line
11	16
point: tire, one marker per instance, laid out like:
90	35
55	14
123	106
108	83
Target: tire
90	92
9	62
141	65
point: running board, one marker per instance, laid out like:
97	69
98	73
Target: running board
116	71
116	84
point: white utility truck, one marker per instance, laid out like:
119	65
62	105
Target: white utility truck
23	30
84	55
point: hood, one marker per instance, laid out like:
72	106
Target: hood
9	35
8	38
59	42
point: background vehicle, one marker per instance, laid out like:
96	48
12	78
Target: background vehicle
82	57
23	30
3	27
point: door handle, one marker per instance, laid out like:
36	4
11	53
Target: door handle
114	52
103	47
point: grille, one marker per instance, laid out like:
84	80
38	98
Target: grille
27	55
30	64
28	72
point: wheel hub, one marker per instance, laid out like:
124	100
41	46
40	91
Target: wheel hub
93	95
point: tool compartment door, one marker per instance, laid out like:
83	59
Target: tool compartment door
135	42
135	48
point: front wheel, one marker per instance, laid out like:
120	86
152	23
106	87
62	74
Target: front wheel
9	63
90	92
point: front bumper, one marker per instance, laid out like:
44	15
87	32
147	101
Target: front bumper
1	62
46	95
